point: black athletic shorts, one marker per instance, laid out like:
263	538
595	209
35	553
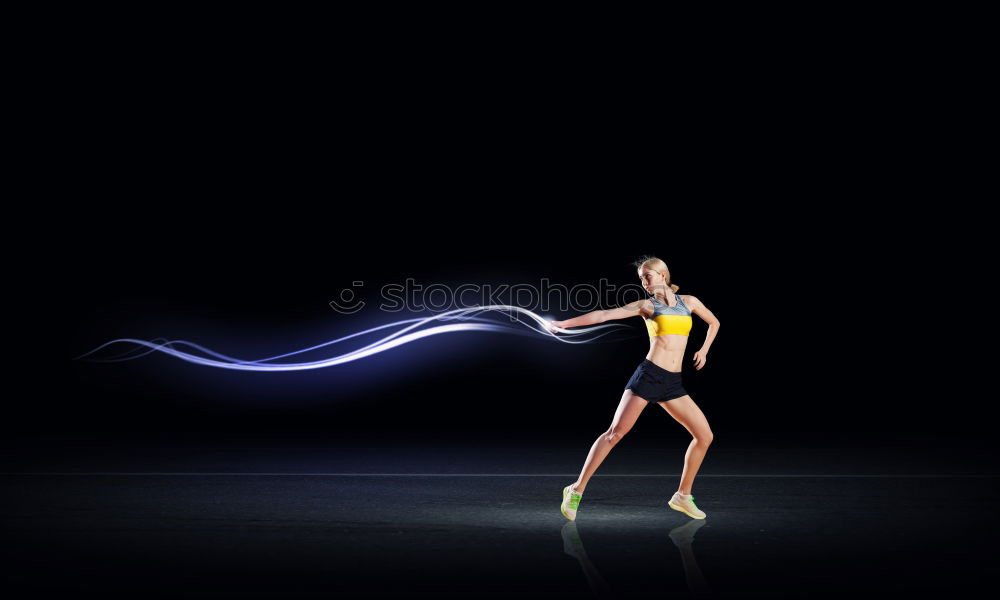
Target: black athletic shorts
654	383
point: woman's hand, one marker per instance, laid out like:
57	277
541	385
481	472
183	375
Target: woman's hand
554	324
700	358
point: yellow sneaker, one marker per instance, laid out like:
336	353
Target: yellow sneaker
685	504
571	500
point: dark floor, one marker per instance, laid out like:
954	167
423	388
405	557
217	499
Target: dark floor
279	519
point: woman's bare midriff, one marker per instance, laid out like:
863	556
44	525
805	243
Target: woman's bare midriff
667	351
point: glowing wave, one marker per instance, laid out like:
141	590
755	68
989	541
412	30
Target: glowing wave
536	325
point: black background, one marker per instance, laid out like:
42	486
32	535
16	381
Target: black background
823	326
221	179
225	199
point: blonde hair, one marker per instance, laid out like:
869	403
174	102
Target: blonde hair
651	262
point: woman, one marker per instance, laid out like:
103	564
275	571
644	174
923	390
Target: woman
656	379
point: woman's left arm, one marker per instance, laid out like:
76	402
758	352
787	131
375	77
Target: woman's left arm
698	308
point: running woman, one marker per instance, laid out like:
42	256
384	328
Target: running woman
657	379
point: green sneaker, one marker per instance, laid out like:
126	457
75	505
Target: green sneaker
686	505
571	500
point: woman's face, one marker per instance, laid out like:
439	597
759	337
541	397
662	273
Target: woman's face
651	280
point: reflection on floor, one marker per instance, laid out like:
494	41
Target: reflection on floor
377	521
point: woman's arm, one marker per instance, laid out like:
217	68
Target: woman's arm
599	316
702	311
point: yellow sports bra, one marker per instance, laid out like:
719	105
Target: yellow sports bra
669	319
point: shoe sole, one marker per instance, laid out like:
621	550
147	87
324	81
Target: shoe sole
679	509
563	510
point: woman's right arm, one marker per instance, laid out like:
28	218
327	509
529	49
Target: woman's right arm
599	316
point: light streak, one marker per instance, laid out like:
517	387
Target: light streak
469	320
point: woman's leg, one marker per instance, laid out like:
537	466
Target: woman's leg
687	413
628	411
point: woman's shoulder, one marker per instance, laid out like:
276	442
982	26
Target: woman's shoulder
646	307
